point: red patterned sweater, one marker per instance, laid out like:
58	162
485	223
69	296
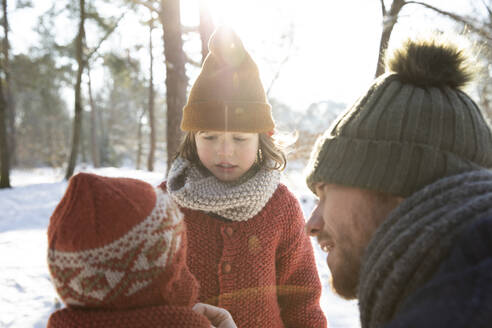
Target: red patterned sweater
261	270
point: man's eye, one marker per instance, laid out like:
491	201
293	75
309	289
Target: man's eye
209	137
239	139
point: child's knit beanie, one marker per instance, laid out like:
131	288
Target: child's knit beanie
412	127
228	94
118	243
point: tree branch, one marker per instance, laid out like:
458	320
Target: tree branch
489	10
282	63
396	7
455	17
108	33
147	5
383	8
192	62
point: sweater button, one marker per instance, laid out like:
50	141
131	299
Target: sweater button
229	231
226	268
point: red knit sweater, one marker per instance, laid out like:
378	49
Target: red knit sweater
261	270
149	317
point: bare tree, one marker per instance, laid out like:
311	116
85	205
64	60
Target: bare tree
471	23
150	160
4	149
77	121
139	140
389	20
82	62
176	79
288	41
94	139
9	98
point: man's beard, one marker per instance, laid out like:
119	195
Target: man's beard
345	276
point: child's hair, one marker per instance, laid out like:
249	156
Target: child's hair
271	152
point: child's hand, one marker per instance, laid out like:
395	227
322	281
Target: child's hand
219	317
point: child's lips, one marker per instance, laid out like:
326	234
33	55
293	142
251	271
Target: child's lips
224	166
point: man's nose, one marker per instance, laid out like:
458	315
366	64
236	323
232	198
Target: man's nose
315	223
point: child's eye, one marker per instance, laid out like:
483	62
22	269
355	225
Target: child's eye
209	137
239	139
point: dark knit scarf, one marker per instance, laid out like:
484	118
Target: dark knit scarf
150	317
411	244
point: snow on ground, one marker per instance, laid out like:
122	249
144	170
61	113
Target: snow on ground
27	296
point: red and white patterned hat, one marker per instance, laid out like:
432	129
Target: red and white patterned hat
118	243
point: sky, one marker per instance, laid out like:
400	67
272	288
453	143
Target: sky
333	54
337	42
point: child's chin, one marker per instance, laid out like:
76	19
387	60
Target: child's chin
226	177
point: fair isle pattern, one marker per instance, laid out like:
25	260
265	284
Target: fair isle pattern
120	269
190	188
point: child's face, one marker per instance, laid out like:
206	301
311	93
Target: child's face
228	155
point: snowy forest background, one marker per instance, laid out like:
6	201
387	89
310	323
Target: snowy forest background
76	94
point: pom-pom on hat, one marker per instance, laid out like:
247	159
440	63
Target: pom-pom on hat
431	62
412	127
118	243
228	94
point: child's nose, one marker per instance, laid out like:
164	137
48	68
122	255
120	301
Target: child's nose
226	148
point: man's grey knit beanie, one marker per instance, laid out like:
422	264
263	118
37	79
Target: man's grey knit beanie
412	127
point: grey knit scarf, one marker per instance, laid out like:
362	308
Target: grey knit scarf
193	188
411	244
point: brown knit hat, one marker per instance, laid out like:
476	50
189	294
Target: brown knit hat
228	94
412	127
118	243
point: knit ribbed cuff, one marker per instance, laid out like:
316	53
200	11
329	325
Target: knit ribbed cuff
239	116
391	167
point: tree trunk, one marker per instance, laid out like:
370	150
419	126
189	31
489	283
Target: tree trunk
77	121
83	145
51	142
94	138
206	27
176	80
139	140
389	20
9	98
4	149
150	161
103	137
